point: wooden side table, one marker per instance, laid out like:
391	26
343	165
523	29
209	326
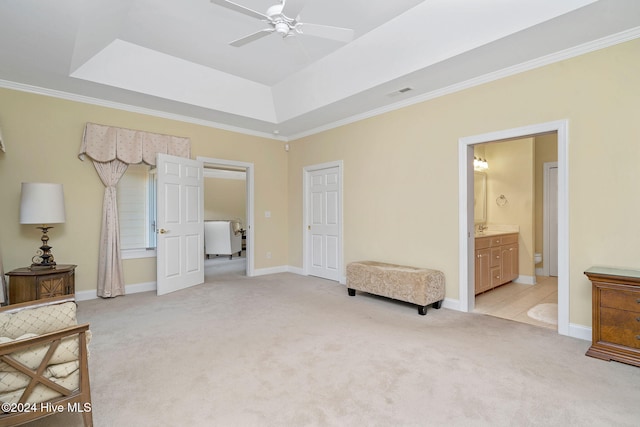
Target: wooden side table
28	285
616	314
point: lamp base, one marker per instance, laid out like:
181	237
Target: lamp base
44	258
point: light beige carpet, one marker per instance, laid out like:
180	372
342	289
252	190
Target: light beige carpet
287	350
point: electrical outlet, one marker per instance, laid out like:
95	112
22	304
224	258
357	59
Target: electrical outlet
268	255
267	214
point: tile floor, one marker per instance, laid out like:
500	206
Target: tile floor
513	300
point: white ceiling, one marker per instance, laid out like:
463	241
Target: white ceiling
171	57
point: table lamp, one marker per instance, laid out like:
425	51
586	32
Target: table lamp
42	203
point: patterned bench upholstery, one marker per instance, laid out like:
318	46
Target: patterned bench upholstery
421	286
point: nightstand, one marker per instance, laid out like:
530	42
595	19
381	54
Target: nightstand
26	284
616	314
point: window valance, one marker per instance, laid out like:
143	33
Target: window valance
106	143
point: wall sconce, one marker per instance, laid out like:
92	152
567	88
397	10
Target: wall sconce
42	203
480	164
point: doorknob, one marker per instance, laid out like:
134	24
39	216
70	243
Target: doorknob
308	227
163	231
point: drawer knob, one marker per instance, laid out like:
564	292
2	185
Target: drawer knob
638	300
638	319
638	337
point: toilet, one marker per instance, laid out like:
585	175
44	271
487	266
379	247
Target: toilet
537	257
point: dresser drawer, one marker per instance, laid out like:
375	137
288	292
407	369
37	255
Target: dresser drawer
620	327
619	299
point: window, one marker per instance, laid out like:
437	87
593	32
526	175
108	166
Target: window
137	212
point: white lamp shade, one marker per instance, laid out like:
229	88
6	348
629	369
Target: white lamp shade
41	203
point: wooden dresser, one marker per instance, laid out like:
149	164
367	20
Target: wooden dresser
26	284
616	314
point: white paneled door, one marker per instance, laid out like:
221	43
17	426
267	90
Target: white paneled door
180	228
323	223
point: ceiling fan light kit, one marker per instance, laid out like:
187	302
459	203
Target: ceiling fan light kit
279	18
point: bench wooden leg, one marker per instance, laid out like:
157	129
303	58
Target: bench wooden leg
422	310
437	304
352	292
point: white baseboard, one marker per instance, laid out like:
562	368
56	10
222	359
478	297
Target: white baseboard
270	270
299	271
295	270
450	303
129	289
580	331
526	280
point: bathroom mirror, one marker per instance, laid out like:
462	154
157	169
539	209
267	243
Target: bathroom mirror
479	197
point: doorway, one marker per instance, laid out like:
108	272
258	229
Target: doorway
248	170
466	223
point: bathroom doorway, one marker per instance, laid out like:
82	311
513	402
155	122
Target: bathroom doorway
515	175
467	230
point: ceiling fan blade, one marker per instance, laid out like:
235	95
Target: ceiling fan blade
292	8
241	9
252	37
344	35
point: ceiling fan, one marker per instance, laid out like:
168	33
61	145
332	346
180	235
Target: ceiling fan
283	19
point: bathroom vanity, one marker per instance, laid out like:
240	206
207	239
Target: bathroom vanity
496	261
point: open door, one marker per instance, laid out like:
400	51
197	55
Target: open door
180	223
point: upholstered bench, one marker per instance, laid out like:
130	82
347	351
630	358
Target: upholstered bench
421	286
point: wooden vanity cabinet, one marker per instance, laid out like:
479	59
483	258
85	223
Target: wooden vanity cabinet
496	261
483	270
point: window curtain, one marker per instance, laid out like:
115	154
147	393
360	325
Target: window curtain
110	272
112	149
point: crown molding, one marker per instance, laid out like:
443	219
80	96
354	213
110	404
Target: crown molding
542	61
585	48
131	108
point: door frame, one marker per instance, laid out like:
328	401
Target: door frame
306	199
546	217
250	173
465	213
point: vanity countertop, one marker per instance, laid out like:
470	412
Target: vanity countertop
490	233
497	230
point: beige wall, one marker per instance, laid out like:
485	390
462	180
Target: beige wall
42	137
510	174
546	150
225	199
400	171
401	168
